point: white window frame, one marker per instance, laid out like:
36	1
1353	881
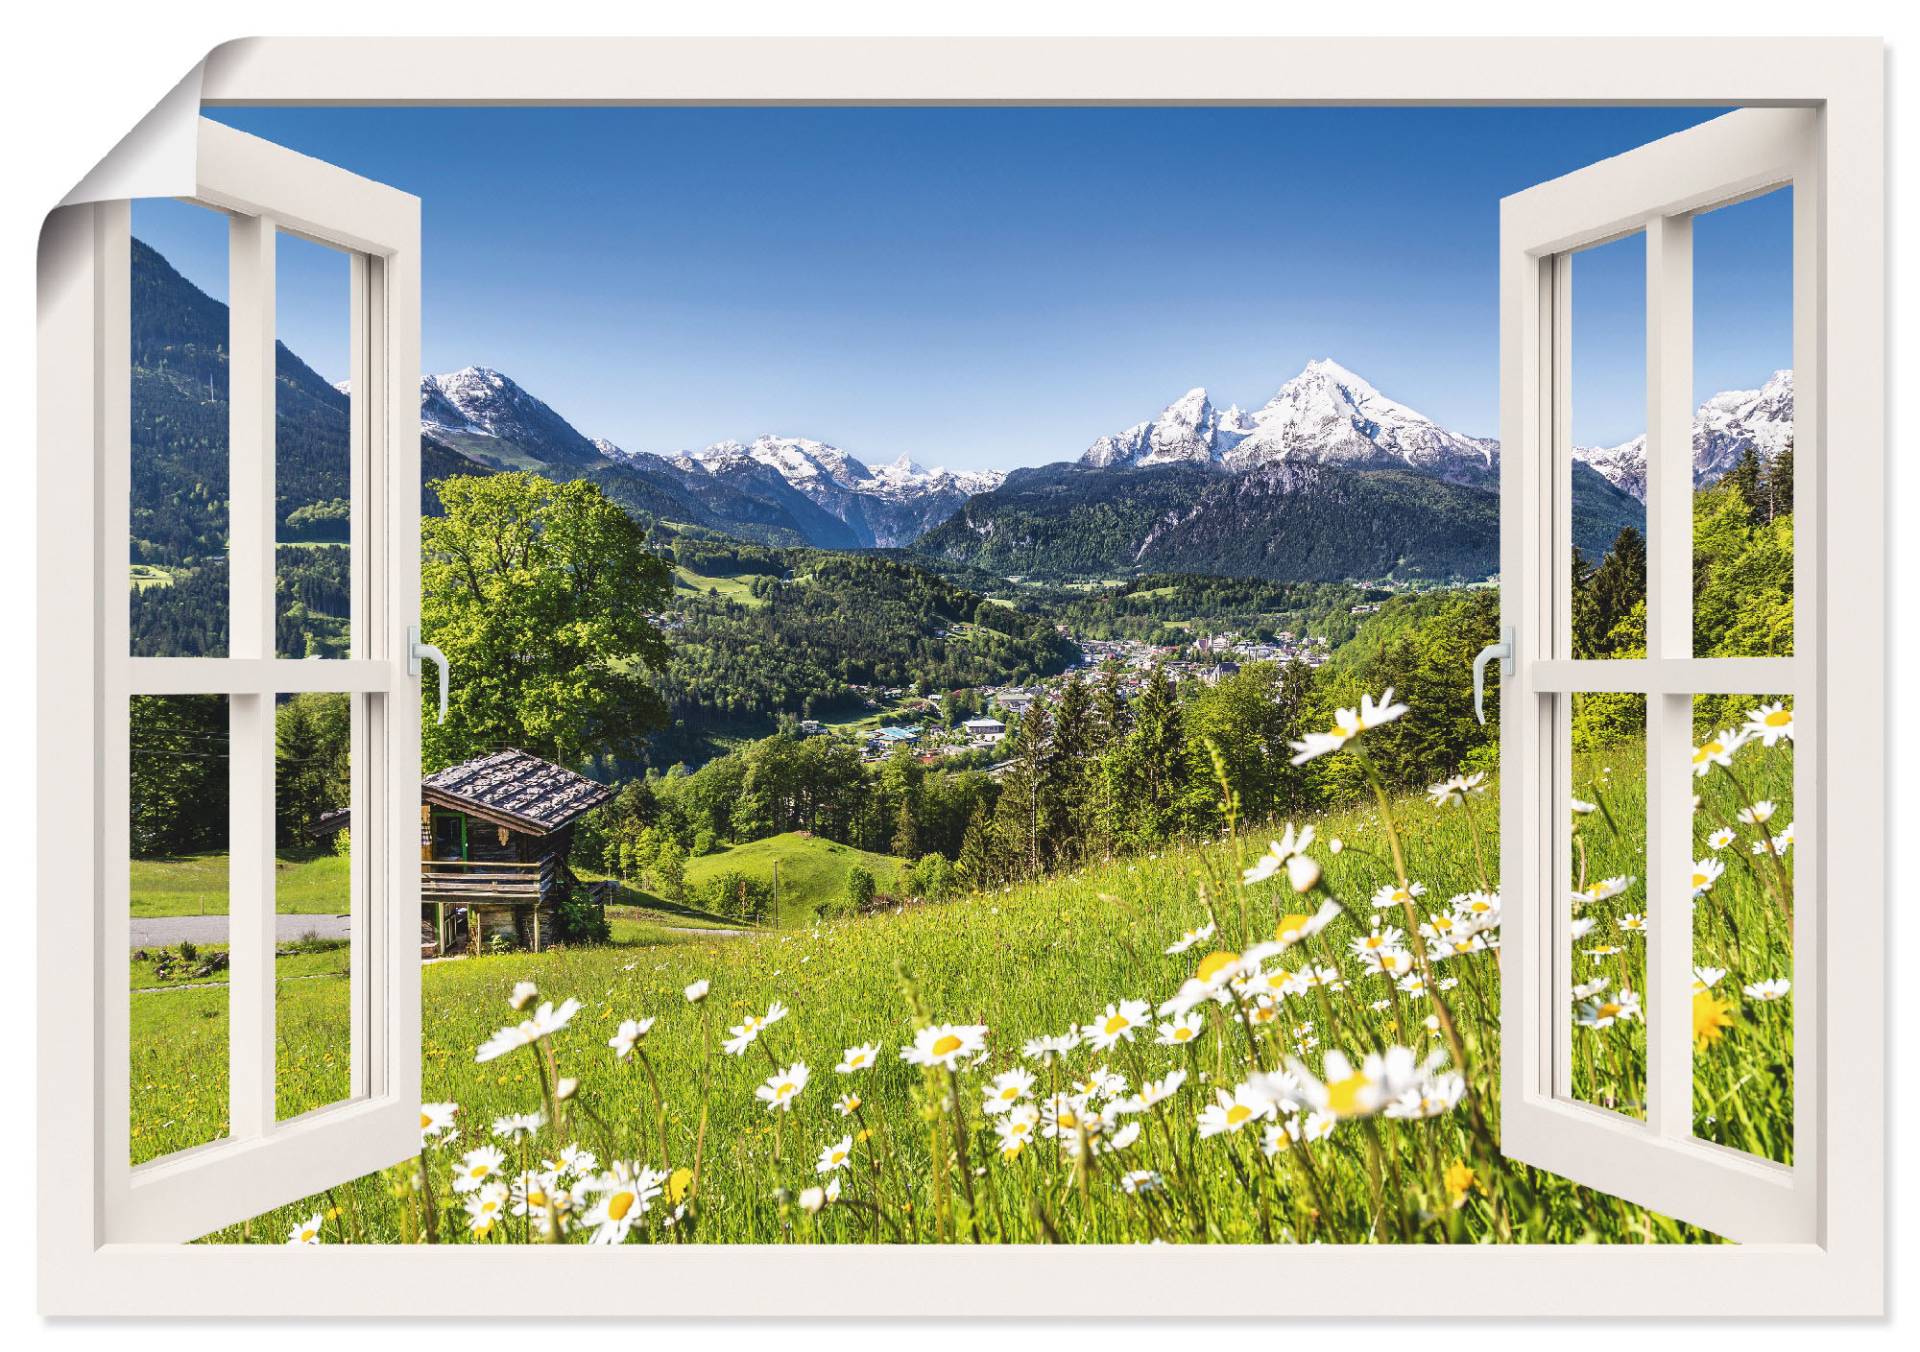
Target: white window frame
1655	190
1839	1270
261	1162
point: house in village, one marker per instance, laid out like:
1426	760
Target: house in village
495	833
984	731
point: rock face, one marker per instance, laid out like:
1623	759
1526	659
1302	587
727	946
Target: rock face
1723	429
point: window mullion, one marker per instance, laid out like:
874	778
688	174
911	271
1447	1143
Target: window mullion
250	566
1669	638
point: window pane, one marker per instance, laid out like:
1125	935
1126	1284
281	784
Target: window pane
1743	429
313	984
1743	915
178	515
1608	950
1608	401
177	881
313	458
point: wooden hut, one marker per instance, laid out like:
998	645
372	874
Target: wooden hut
495	833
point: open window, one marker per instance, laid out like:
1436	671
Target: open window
125	1184
1646	1130
194	699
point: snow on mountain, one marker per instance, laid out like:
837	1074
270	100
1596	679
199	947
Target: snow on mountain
485	414
1324	415
1723	428
822	471
1187	431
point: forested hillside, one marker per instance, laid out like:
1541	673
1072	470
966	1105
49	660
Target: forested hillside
180	477
1285	524
797	630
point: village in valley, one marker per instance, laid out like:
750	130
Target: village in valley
923	723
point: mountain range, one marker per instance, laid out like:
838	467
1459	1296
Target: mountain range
777	489
1328	479
1724	428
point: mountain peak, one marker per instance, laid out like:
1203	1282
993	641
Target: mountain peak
1333	370
1324	415
1725	427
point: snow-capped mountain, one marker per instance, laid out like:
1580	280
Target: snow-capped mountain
487	416
1723	428
1187	431
1326	415
891	506
789	488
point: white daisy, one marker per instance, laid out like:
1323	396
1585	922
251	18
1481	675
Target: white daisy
1190	938
1182	1030
1705	873
782	1087
1006	1089
861	1057
545	1022
1770	722
1772	989
744	1033
627	1036
836	1156
943	1044
1117	1024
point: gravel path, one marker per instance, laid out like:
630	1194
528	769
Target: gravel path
160	931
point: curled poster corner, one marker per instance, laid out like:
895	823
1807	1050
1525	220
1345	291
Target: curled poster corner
158	158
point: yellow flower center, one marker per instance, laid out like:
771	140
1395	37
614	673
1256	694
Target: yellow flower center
947	1045
1779	718
1699	880
1237	1114
478	1171
425	1121
1608	1010
1069	1121
619	1205
1215	963
1116	1023
1292	925
783	1089
1343	1096
1182	1034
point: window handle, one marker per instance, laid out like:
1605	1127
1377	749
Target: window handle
416	651
1502	650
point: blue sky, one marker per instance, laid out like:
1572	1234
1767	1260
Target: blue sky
989	287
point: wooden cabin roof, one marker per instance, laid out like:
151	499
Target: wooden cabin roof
514	789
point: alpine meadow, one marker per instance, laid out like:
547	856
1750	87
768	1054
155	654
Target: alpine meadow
1100	848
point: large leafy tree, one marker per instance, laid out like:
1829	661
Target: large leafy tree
543	597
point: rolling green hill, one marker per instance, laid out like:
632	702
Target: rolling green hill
812	869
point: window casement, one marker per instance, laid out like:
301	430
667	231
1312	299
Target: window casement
1810	1234
1657	1159
267	195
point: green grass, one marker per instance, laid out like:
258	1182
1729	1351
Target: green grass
1743	1056
739	589
1039	959
179	1102
196	884
144	575
812	869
